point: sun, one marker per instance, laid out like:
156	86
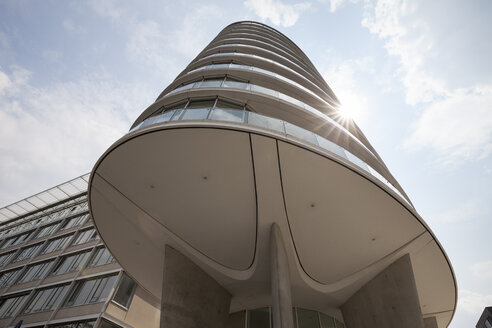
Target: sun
346	113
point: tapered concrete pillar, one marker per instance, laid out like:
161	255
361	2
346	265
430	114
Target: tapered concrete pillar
190	297
389	300
280	280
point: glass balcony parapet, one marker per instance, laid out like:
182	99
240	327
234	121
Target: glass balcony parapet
277	125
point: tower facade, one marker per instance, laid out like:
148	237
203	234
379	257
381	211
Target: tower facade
242	197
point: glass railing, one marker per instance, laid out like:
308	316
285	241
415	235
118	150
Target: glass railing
272	93
268	51
260	37
279	126
264	71
280	52
270	61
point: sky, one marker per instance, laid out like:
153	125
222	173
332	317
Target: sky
416	76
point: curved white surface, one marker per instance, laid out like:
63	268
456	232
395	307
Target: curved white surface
212	190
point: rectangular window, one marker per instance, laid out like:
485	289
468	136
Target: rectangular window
91	291
85	236
101	256
70	263
307	318
27	253
4	258
259	318
8	277
46	299
78	324
47	230
16	240
107	324
124	293
8	306
56	244
76	221
35	272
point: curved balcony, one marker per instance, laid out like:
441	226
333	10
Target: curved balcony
272	93
279	126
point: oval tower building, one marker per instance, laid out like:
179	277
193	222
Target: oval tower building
242	198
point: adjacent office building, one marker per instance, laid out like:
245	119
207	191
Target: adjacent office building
240	198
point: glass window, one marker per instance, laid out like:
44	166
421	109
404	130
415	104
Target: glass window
164	117
35	272
307	318
46	299
175	106
78	324
124	293
4	258
56	244
28	252
8	277
107	324
70	263
85	236
101	256
91	291
177	114
76	221
487	323
47	230
8	306
327	321
228	105
16	240
231	115
201	103
195	113
259	318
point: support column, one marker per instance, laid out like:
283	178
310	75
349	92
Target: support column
389	300
190	297
280	281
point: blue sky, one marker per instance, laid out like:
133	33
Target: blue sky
416	75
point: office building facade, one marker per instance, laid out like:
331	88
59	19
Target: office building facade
56	271
243	198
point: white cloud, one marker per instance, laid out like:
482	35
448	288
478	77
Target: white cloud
464	211
57	132
277	12
459	126
455	122
483	270
193	34
473	302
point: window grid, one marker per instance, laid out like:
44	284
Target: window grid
102	256
56	244
70	263
27	253
35	272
